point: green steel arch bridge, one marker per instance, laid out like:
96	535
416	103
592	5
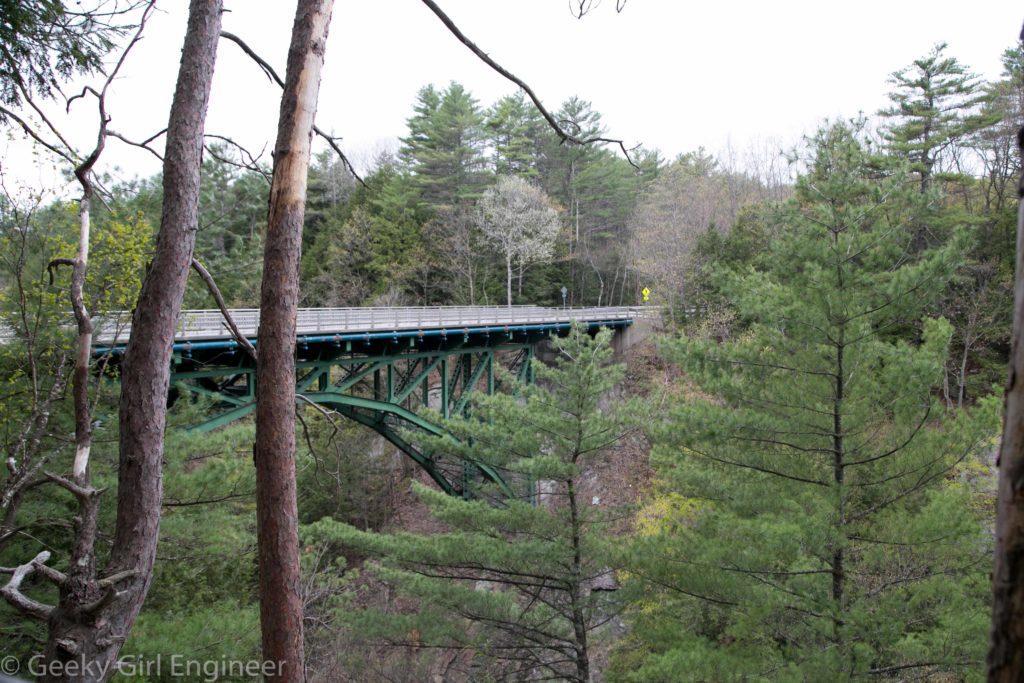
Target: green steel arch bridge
376	366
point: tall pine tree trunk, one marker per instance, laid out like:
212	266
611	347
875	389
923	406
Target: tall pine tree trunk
838	477
84	629
274	451
576	597
1006	654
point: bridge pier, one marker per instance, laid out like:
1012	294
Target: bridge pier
627	337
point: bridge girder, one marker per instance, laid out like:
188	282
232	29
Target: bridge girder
379	380
381	388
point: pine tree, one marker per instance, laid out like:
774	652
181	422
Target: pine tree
444	149
934	107
822	528
516	132
229	242
428	101
598	190
45	42
513	580
561	164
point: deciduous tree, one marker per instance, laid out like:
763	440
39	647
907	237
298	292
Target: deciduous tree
517	221
690	198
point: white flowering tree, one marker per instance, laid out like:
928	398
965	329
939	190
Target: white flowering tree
516	220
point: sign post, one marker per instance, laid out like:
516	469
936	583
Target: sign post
646	294
564	293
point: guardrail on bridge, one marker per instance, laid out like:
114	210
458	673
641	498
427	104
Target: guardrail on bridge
209	323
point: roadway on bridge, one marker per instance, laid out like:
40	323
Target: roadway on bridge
197	325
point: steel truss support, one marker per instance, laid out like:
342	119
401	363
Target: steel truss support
382	391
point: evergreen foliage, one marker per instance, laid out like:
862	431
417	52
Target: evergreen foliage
516	133
757	556
934	107
828	530
514	581
444	149
44	41
232	222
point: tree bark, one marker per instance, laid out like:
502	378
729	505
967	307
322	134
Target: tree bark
579	617
91	629
281	609
1006	653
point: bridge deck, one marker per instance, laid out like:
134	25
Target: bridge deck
200	325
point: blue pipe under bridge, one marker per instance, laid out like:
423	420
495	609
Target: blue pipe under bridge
376	366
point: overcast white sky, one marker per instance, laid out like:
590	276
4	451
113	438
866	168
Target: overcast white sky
670	74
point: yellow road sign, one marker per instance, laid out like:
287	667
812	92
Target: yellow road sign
646	294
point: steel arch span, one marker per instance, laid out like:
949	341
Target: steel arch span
377	367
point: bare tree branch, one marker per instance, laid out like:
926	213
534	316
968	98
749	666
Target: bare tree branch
53	265
579	8
228	320
272	75
80	492
559	131
12	591
32	133
42	115
144	144
251	165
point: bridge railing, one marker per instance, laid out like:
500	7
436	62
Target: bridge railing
209	323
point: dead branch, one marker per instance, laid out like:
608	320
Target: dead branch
320	409
109	595
206	501
305	433
58	577
12	591
144	144
83	493
329	415
272	75
31	438
81	96
32	133
42	115
251	165
579	8
53	265
228	320
552	122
